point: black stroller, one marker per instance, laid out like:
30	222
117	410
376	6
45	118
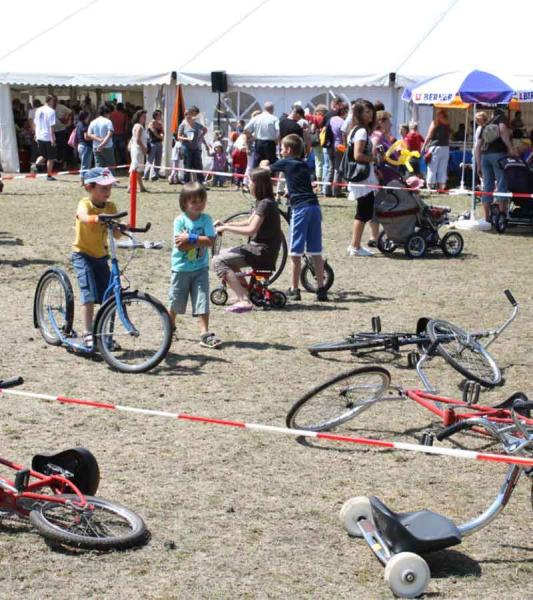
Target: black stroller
519	179
407	220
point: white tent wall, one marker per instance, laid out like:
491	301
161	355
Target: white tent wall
9	158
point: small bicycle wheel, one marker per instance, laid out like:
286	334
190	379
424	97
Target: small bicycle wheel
277	299
219	296
452	244
138	350
415	246
230	240
464	353
407	575
385	245
339	399
308	278
53	305
102	525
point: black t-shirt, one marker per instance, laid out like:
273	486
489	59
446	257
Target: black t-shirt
298	179
498	145
262	250
288	126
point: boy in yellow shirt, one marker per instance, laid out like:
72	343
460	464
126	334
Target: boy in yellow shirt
90	252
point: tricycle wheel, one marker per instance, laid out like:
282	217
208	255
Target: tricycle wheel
407	575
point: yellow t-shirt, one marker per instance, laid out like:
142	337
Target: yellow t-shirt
91	238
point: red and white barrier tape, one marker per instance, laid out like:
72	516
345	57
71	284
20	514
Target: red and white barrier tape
466	454
478	193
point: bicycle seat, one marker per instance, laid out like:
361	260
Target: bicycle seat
420	532
77	464
523	406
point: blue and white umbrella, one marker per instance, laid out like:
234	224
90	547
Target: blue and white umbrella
478	87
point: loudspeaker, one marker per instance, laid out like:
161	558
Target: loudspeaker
219	82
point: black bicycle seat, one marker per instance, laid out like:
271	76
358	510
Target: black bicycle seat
520	402
420	532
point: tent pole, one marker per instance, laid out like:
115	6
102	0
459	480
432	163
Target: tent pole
474	166
462	185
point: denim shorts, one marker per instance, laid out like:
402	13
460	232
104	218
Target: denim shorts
306	230
93	276
189	283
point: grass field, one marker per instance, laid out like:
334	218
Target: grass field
236	515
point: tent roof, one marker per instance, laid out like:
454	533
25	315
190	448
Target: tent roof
268	43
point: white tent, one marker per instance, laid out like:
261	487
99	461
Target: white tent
271	50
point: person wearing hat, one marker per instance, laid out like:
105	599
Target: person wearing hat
90	252
220	164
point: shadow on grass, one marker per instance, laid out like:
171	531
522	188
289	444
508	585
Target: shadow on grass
27	262
356	296
258	345
433	255
451	563
312	307
171	364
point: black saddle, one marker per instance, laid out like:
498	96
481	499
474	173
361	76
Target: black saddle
420	532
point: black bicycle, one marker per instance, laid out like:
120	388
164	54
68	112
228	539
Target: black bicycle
307	276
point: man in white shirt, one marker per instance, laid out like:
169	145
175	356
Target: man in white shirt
45	119
101	133
265	130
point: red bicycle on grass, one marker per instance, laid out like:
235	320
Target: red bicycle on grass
347	395
56	496
256	282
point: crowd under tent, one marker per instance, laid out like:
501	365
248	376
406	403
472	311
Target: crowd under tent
269	49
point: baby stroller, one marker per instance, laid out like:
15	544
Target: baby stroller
519	179
408	221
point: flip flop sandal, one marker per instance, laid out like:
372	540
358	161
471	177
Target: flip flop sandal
210	340
239	307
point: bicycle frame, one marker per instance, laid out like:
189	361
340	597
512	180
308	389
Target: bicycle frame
10	496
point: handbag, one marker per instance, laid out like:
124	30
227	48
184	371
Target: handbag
351	170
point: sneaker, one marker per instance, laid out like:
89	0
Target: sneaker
359	251
372	243
50	178
210	340
322	294
33	169
88	341
293	294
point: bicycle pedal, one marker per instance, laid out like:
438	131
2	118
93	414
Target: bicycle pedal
22	479
376	324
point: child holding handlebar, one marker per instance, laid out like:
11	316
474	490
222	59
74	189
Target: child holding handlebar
194	234
90	252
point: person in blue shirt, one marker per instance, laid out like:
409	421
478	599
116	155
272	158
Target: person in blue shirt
194	234
305	229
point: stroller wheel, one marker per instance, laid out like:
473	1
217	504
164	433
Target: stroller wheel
385	245
415	246
452	244
500	223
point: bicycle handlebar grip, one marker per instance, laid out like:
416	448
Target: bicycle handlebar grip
141	229
520	404
452	429
510	297
14	381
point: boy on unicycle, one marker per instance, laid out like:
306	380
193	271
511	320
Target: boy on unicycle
90	252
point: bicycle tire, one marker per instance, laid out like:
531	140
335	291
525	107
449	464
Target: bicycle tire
113	339
308	280
87	529
320	409
283	251
464	353
53	287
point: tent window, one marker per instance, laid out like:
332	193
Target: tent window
233	107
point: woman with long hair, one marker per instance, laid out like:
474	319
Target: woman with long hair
359	136
138	146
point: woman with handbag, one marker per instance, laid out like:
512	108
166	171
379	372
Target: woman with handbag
359	170
436	150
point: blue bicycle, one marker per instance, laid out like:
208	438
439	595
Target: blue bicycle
131	330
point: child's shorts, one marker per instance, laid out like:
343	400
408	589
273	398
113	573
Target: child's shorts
93	276
189	283
306	230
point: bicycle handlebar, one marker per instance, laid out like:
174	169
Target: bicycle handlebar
140	229
14	381
510	297
112	217
453	429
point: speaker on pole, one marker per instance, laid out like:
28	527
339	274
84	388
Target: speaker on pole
219	82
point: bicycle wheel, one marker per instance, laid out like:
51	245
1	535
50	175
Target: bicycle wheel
230	240
464	353
308	279
141	350
103	525
339	399
53	305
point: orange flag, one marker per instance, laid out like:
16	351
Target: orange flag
178	114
